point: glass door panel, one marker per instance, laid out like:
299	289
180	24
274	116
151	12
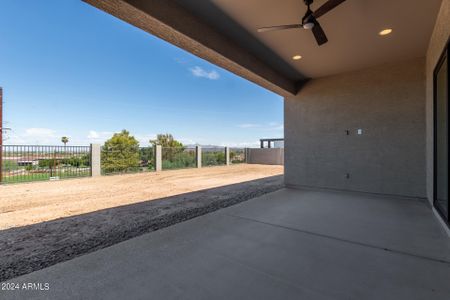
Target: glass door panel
441	137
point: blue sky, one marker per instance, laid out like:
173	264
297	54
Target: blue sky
67	68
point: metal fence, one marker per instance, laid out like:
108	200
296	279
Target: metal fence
35	163
213	156
127	160
24	163
178	158
237	155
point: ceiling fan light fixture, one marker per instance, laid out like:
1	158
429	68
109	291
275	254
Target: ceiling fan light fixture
308	25
309	20
385	31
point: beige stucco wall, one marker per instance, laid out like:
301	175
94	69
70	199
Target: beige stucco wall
388	103
438	41
265	156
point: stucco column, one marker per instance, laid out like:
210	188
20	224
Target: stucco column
198	155
158	158
96	169
227	156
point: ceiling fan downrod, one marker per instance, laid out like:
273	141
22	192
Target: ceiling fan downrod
308	19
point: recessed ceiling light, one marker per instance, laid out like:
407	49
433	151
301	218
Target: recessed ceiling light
296	57
385	31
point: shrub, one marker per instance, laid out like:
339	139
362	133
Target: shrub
120	153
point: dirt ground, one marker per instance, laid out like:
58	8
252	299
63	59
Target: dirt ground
51	222
31	203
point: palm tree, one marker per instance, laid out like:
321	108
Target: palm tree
65	140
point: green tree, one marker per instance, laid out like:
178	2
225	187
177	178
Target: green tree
172	148
120	153
10	165
147	157
213	158
167	141
64	140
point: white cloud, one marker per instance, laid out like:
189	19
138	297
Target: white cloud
99	136
93	135
14	139
200	72
34	136
39	133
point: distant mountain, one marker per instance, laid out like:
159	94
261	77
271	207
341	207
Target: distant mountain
203	146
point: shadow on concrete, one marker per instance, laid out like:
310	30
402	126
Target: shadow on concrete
33	247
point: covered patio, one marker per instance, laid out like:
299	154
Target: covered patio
289	244
364	213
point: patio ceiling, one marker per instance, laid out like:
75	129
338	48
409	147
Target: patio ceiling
224	33
352	29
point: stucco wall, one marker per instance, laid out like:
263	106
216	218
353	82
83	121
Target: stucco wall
438	41
265	156
388	103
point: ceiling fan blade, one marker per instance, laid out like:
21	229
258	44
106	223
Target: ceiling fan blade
326	8
279	27
319	34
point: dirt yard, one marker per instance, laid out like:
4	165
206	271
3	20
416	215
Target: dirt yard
25	204
51	222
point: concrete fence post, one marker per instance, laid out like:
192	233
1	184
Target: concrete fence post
95	153
227	156
158	158
198	153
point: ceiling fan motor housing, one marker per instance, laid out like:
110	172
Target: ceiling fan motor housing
308	19
308	25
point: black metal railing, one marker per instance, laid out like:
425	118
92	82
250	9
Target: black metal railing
178	158
25	163
237	155
36	163
213	156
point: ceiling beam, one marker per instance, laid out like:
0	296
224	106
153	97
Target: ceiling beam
172	23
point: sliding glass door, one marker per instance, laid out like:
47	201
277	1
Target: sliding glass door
441	160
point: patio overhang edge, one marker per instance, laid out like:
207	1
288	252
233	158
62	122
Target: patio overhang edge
172	23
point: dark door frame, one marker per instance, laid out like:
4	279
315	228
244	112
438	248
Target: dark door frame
444	55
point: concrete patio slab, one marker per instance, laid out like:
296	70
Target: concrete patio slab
400	224
256	250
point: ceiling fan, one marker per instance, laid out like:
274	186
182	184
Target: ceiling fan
309	20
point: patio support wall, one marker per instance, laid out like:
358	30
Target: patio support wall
265	156
198	156
227	156
324	150
158	158
96	169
